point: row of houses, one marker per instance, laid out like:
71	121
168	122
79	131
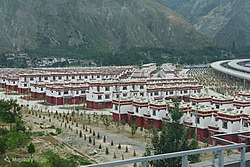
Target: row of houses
208	115
96	86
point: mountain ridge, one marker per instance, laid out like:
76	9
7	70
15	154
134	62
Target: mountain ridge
94	25
226	21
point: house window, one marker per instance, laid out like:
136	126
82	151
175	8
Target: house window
124	88
41	89
107	89
156	93
66	92
83	91
25	85
46	78
136	109
216	119
224	125
125	94
59	93
117	96
32	79
171	92
154	112
98	76
54	78
198	120
133	87
106	96
217	106
86	77
245	124
98	88
116	107
77	92
59	77
141	94
40	78
99	97
67	77
141	87
185	91
73	77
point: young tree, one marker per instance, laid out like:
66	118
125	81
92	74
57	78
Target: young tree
122	123
133	128
126	149
107	150
80	134
31	149
141	129
89	119
106	121
119	146
206	141
2	146
118	125
173	138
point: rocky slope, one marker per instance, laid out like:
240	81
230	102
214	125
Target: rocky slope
93	24
227	21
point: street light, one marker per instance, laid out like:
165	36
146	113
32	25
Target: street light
119	104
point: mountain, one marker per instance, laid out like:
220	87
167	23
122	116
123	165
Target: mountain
93	25
227	21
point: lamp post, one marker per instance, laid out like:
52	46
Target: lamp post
119	104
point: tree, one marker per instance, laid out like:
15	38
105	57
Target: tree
133	128
2	146
107	150
126	149
206	141
106	121
80	134
8	117
31	149
119	146
173	138
122	123
118	125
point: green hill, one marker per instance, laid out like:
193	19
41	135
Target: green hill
93	26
